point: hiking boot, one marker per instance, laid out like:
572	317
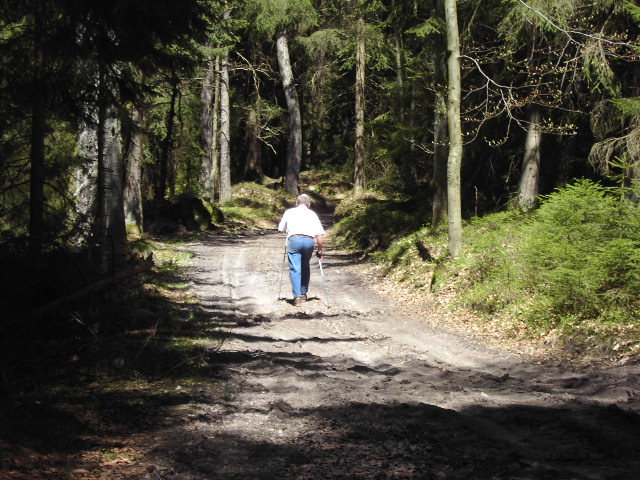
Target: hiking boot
303	297
298	301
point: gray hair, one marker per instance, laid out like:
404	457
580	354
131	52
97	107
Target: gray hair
303	199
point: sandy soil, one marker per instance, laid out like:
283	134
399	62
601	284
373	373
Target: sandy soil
354	386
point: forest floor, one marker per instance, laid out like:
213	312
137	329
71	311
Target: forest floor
360	382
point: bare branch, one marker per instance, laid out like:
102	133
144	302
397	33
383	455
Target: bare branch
569	32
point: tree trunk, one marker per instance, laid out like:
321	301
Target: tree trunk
529	178
86	176
110	191
253	170
209	125
113	222
133	186
38	131
360	154
439	212
440	140
397	48
167	141
99	236
253	166
215	134
294	157
225	131
454	161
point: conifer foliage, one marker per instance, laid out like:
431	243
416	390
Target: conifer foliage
108	105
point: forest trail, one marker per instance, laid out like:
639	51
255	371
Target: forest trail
242	385
350	385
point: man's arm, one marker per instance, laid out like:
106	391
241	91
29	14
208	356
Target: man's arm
320	239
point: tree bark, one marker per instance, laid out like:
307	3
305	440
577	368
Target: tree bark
134	220
225	131
253	165
215	133
110	183
167	141
439	212
86	176
114	235
38	131
360	153
440	140
209	126
99	230
454	161
397	48
529	178
294	157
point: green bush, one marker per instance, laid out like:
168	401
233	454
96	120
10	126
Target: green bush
581	250
576	258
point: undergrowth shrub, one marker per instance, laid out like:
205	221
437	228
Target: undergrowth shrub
582	252
576	258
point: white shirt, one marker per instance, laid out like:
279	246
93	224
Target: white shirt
301	220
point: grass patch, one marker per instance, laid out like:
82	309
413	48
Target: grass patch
327	185
254	207
416	258
373	221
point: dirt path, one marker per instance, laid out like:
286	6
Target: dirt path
350	386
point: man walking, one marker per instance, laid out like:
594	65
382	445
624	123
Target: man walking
302	226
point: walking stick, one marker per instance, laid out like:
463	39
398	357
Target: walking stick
324	286
282	270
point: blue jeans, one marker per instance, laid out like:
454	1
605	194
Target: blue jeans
299	250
